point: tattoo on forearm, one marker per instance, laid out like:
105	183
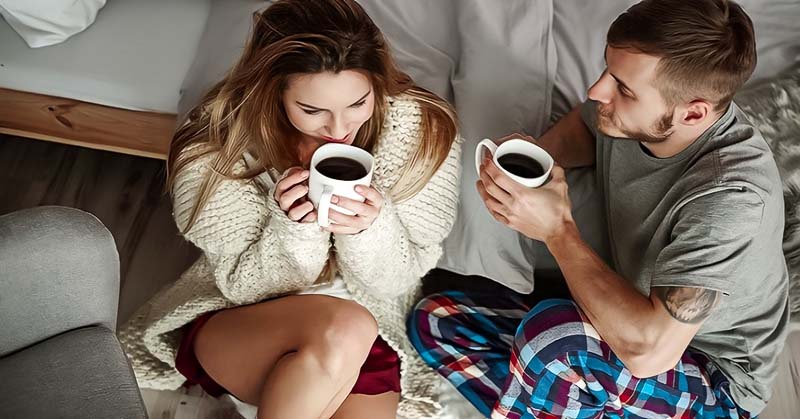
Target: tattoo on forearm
687	305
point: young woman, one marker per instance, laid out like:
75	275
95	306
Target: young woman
301	321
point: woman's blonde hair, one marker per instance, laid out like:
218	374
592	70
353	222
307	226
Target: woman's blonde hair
244	111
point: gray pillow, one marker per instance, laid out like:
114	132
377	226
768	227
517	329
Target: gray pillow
773	106
221	44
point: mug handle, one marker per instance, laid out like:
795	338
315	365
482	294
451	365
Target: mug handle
479	153
324	206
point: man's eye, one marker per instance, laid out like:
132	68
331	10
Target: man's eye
622	91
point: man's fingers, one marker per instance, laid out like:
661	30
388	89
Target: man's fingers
502	180
558	172
514	136
493	205
493	190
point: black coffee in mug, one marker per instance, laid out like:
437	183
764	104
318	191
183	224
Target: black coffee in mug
521	165
341	168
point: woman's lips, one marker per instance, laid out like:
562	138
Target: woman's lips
336	140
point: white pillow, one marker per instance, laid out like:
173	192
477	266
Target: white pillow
46	22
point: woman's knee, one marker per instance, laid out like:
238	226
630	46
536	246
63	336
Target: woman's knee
342	339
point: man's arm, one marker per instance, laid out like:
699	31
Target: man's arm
649	335
570	141
710	240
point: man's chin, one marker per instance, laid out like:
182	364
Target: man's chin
611	131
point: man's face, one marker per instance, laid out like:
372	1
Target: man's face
630	105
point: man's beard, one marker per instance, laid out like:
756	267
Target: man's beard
659	132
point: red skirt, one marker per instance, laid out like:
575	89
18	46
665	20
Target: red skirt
379	374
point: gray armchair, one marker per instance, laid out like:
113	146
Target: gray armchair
59	288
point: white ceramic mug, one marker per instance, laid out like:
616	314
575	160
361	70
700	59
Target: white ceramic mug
322	188
516	146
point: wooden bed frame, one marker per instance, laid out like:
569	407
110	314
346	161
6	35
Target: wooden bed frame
70	121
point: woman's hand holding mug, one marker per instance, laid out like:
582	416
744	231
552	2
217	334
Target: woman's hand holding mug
365	212
291	194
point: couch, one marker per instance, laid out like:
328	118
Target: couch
59	287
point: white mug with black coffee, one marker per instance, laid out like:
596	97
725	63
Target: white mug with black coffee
524	162
336	169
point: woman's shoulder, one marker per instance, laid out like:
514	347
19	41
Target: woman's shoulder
200	159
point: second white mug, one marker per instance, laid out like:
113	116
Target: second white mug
518	159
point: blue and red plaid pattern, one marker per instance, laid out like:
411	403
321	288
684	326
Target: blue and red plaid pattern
549	362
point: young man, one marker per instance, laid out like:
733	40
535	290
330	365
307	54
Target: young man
690	319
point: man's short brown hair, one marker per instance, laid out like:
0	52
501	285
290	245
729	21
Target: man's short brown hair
707	48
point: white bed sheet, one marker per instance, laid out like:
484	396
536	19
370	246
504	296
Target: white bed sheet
135	56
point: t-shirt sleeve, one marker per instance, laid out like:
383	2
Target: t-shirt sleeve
711	241
589	115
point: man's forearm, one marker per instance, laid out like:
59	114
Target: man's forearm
618	311
569	141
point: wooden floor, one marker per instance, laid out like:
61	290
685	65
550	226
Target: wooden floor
124	192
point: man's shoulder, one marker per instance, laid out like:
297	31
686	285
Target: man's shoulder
736	156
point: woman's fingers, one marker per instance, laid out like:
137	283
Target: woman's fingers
357	207
287	199
299	212
292	177
354	221
371	195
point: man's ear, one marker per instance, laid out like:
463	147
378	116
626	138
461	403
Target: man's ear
696	112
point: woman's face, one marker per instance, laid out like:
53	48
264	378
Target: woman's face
329	107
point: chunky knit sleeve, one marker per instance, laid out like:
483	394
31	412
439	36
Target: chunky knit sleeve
405	241
253	248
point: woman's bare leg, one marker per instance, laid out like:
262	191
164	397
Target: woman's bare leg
362	406
337	400
289	356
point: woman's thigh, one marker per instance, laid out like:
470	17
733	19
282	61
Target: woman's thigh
238	347
362	406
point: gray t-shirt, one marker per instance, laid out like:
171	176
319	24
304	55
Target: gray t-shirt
711	217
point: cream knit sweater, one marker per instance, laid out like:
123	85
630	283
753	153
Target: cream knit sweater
252	252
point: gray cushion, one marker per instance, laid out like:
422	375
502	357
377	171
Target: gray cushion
60	271
774	107
79	374
221	43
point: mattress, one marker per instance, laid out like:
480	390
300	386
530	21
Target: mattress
785	402
135	56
